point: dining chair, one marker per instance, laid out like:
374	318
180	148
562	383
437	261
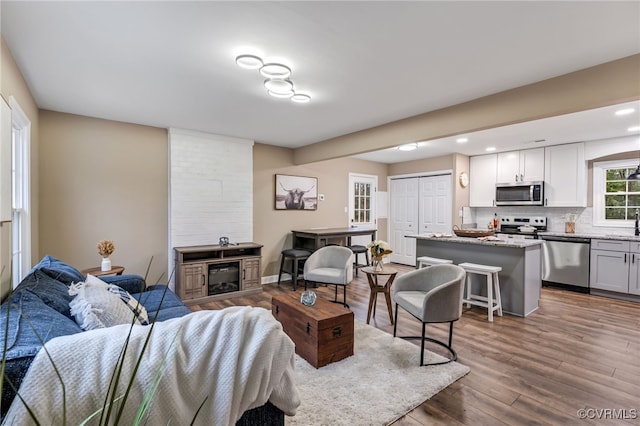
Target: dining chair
330	265
431	295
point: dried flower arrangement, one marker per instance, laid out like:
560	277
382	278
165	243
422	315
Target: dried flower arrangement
105	248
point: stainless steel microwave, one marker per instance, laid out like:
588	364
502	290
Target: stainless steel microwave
520	194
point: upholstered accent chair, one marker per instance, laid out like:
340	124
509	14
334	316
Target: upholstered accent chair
330	265
431	295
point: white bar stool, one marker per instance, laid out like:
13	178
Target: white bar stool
492	302
424	261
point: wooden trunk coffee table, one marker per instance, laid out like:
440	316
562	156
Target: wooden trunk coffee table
323	333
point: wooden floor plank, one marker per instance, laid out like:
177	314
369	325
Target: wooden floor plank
577	350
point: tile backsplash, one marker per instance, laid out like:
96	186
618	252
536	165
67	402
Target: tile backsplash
555	218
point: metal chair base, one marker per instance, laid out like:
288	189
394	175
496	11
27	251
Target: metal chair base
453	354
335	297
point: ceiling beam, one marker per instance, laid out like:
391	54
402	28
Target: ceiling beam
602	85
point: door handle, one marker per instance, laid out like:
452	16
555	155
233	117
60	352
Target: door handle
625	258
516	177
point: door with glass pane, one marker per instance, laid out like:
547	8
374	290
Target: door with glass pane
362	204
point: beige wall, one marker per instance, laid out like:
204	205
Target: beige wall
102	179
272	228
12	84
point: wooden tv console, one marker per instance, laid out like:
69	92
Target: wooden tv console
213	272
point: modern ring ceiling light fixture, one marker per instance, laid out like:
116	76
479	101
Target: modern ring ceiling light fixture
249	62
275	71
277	83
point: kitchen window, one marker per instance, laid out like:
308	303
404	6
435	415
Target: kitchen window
615	199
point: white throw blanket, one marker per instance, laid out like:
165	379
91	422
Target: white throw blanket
237	358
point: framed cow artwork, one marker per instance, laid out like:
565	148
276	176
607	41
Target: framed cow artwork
296	192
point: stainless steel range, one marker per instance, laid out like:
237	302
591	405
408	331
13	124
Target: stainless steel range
525	226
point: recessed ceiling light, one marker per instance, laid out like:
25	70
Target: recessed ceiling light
274	70
634	129
301	98
490	149
249	62
280	95
408	147
279	85
462	140
625	111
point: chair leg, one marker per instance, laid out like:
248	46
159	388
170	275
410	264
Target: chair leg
355	262
344	295
395	322
490	296
450	334
424	325
280	273
294	267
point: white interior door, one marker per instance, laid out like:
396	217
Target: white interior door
363	191
435	204
403	219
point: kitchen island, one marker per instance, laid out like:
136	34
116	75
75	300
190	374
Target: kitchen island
520	259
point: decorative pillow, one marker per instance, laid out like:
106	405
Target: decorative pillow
59	270
134	304
96	305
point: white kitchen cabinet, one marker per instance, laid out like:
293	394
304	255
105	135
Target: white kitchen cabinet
565	176
634	269
482	180
521	166
615	266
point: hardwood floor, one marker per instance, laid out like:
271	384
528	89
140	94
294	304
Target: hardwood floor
576	352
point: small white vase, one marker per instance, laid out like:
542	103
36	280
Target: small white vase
106	264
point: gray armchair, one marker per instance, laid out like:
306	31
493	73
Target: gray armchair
431	295
330	265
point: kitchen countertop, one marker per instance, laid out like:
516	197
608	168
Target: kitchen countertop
619	237
511	242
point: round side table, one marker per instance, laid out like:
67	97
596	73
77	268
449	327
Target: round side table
376	287
97	272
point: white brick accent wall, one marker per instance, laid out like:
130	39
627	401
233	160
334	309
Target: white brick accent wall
210	189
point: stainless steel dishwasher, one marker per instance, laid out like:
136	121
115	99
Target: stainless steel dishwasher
565	262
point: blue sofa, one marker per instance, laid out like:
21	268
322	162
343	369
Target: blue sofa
43	299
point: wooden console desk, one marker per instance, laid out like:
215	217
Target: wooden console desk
313	239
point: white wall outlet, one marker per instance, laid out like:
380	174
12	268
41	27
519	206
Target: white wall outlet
321	197
346	209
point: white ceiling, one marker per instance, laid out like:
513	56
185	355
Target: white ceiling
171	64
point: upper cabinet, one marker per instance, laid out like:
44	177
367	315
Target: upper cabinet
521	166
482	180
565	176
562	168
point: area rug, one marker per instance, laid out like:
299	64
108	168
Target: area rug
380	383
